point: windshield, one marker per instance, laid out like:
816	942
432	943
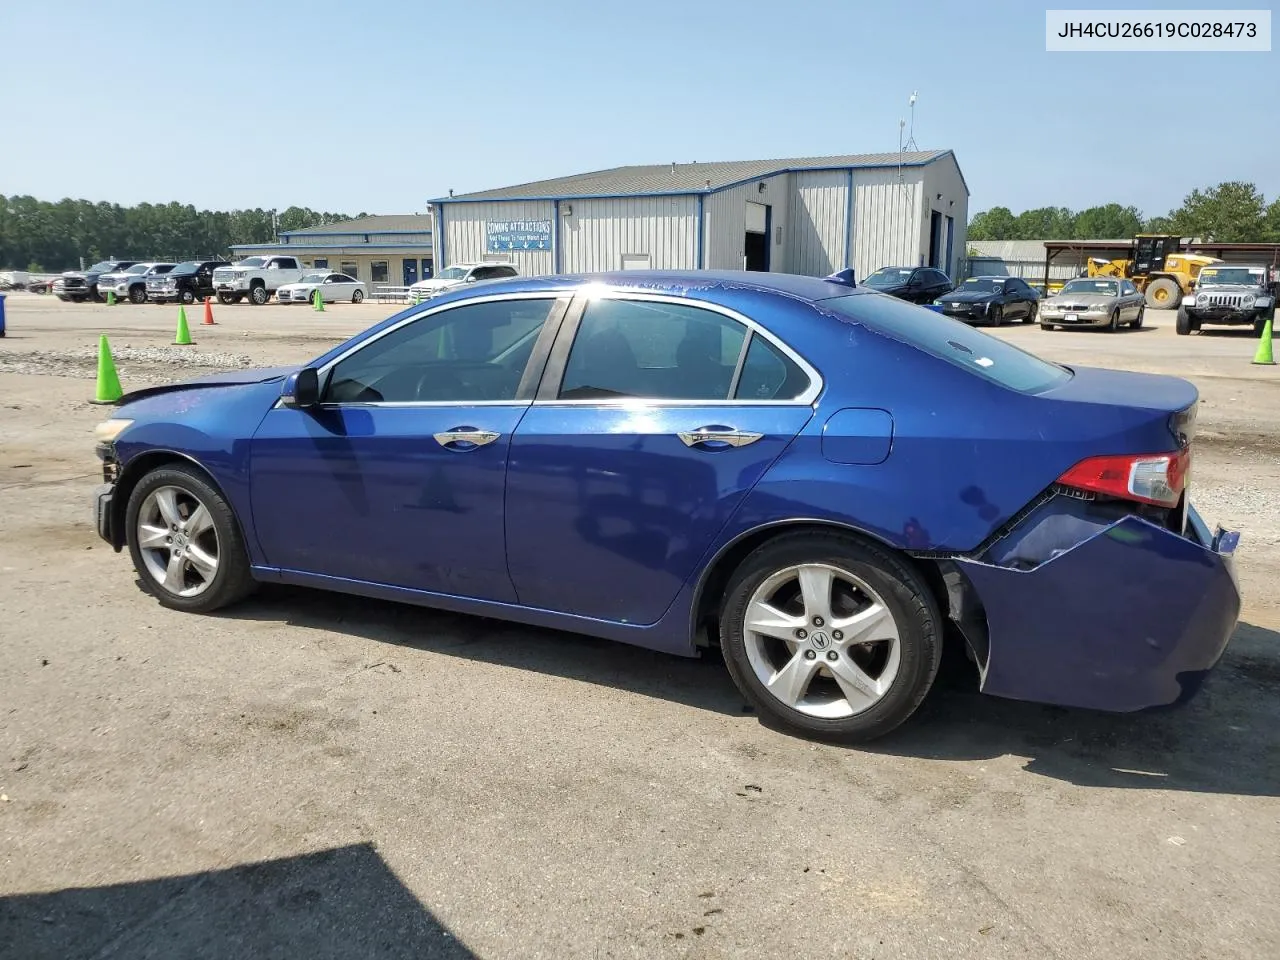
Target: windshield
1104	288
102	267
1232	276
314	277
889	277
957	343
252	262
982	285
187	266
452	273
137	270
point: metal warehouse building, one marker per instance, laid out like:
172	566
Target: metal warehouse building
809	215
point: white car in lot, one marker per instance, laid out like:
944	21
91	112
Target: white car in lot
131	283
458	274
332	286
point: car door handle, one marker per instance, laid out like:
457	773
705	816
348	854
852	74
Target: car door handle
466	435
717	436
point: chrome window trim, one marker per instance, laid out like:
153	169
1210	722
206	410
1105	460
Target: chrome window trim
323	372
805	399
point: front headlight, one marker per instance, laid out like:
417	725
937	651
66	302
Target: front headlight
108	430
1248	299
1202	299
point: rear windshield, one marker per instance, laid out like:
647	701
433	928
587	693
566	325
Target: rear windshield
958	343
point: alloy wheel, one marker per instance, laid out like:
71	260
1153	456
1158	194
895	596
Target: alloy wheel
178	541
822	641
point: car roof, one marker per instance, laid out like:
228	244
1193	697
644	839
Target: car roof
686	282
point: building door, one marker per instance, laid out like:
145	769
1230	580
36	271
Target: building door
426	268
410	271
951	235
755	246
935	238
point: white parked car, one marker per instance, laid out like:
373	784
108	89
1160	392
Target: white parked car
457	275
332	286
131	283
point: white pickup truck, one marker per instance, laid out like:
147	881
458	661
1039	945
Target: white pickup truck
256	278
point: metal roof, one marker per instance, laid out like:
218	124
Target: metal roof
393	223
684	178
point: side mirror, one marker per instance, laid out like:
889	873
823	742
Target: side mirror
301	389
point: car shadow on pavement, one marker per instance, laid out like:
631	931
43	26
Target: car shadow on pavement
343	902
1225	740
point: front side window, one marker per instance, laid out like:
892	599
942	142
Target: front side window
658	351
470	353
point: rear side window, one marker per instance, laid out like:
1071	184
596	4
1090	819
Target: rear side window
957	343
769	374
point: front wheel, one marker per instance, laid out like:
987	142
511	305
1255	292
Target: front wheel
185	543
1046	326
996	317
830	637
1183	323
1114	325
226	299
188	297
357	297
1260	323
138	295
258	296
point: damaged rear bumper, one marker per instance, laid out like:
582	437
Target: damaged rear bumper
1134	616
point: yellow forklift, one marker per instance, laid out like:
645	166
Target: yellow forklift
1157	267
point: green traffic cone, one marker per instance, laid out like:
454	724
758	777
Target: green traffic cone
108	388
1264	354
317	302
111	298
183	337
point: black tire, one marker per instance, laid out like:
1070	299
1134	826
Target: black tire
258	295
996	316
97	296
1114	325
188	297
1136	322
357	296
137	294
1032	310
903	593
1183	323
1166	288
232	581
226	299
1046	326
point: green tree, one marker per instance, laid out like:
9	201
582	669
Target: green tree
1231	212
1271	223
998	223
1045	223
1108	222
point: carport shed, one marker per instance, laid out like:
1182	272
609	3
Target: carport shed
806	215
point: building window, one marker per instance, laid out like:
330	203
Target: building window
378	270
322	263
350	269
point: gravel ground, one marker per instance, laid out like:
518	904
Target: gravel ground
320	776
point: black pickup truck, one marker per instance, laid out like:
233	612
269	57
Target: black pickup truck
188	282
81	285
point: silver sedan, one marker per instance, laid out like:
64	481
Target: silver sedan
1094	302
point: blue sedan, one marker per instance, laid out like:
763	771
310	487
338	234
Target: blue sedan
825	482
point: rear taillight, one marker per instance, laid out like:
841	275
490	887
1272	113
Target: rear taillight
1157	478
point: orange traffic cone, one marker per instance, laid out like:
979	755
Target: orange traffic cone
208	311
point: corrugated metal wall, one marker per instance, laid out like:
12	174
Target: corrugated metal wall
816	235
886	219
943	177
724	223
598	233
465	234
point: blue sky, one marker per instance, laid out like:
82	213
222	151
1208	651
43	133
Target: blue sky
380	106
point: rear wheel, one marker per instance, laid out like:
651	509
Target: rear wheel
357	297
830	637
185	543
1136	322
1163	294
